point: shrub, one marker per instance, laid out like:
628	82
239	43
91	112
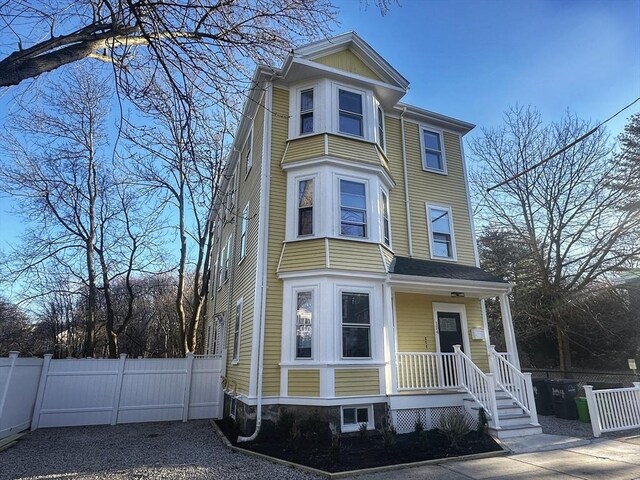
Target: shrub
388	435
363	431
483	423
335	449
314	429
419	429
454	426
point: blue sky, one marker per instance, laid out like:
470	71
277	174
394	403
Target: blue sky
473	59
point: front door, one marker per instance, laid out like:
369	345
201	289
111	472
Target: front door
449	334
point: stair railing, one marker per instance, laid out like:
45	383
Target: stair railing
516	384
481	386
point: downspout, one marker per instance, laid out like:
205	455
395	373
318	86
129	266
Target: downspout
263	232
406	182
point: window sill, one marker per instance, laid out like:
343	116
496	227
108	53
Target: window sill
235	362
433	170
444	259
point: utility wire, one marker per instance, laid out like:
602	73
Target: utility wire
563	149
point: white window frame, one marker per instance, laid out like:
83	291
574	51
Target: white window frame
440	133
314	209
231	193
249	153
454	254
233	406
297	291
313	110
354	427
295	105
384	193
237	333
357	291
381	136
227	260
366	114
368	212
221	267
243	232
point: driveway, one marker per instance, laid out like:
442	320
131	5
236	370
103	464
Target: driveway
173	451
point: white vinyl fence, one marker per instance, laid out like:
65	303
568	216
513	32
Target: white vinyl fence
58	393
613	410
19	379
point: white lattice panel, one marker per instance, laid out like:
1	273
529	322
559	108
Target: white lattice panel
438	413
405	419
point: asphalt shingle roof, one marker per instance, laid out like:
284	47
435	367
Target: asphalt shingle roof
429	268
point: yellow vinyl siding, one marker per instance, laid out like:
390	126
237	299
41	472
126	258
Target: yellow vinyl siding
388	257
415	326
429	187
303	255
243	274
397	210
355	150
359	381
346	60
276	233
304	148
304	383
351	255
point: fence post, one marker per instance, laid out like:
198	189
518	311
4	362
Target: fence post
187	387
13	356
35	419
594	413
459	367
118	389
531	400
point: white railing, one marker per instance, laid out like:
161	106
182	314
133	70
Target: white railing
481	386
613	410
516	384
421	371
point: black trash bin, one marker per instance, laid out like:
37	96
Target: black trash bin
563	393
542	395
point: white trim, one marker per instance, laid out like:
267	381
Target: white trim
422	128
352	165
356	426
248	161
314	206
338	178
335	114
313	289
387	206
446	285
380	116
295	105
452	308
331	273
318	401
454	253
244	229
237	325
357	290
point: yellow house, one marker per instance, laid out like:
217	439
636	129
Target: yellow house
346	275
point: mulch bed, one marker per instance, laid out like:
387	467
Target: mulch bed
356	453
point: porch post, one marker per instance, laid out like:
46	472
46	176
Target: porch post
390	341
509	333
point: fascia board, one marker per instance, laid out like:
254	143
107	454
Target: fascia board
448	284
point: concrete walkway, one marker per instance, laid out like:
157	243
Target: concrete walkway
600	459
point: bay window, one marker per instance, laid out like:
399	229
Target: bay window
304	324
306	111
350	113
305	207
356	325
353	209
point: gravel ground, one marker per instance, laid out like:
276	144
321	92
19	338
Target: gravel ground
166	451
575	428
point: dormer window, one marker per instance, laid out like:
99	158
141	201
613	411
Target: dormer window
350	113
433	158
306	111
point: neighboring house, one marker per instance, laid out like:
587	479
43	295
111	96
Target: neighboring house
346	267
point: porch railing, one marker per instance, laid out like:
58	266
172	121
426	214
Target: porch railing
516	384
421	371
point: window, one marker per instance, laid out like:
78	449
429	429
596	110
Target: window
243	232
350	120
227	259
432	152
355	325
353	209
386	227
353	417
441	232
304	319
305	207
221	267
236	332
231	196
306	111
248	155
380	128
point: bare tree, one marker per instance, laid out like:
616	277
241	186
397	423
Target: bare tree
565	214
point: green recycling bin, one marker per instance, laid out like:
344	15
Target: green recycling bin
583	409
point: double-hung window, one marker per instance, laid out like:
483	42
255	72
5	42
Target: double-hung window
243	232
380	128
305	207
350	113
356	325
441	232
221	267
306	111
353	209
433	157
227	259
386	226
236	331
304	323
248	155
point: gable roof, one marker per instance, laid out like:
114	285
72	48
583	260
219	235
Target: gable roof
432	269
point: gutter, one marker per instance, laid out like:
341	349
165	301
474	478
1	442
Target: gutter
406	182
263	232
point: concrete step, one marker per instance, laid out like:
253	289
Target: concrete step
515	431
514	420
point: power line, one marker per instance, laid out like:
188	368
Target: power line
563	149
